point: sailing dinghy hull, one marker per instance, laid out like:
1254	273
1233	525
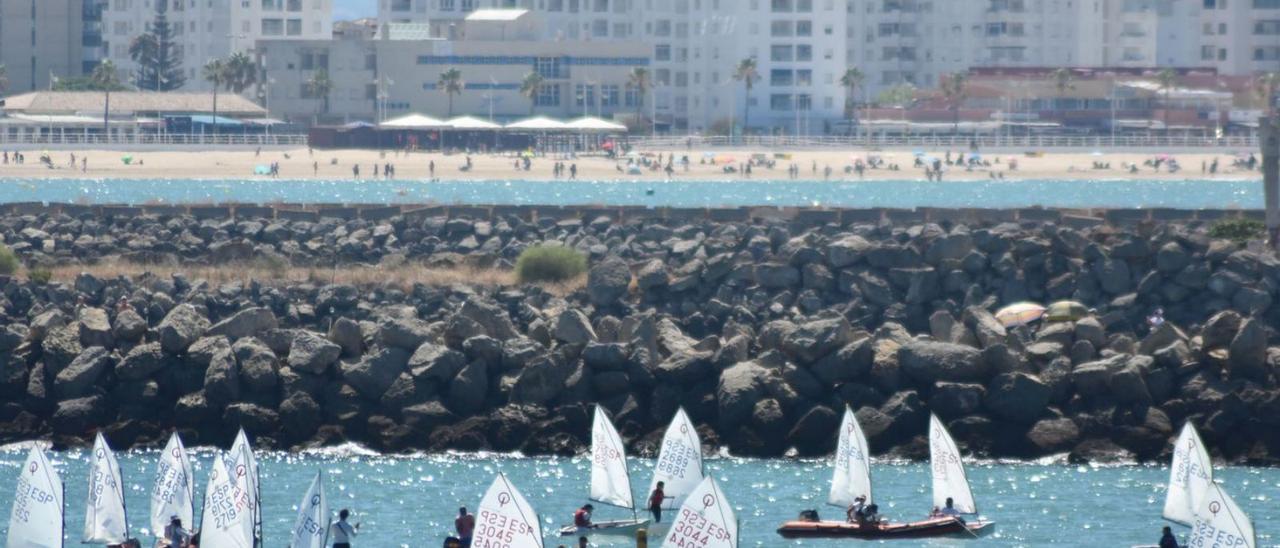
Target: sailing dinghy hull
937	527
626	527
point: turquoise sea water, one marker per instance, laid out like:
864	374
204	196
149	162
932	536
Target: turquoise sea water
1184	194
411	500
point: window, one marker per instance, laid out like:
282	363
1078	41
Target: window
1270	53
804	53
549	96
781	77
662	52
804	28
271	5
632	96
1266	4
401	5
610	96
294	27
294	5
584	95
781	29
1271	27
272	27
780	101
780	54
1207	53
550	67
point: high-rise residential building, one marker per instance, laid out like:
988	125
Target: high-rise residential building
211	29
39	40
802	47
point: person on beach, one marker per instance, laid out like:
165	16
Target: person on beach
582	518
1167	540
573	171
342	532
355	171
431	169
655	501
465	526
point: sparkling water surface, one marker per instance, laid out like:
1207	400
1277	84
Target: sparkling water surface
1182	194
412	500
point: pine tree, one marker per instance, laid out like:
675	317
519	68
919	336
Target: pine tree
159	61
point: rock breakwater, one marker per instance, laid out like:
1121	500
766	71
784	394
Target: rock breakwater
761	330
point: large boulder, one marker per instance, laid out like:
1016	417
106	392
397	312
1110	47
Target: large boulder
1054	435
141	362
815	339
468	389
1248	352
847	250
491	318
852	362
541	381
404	333
1018	397
81	375
312	353
812	433
244	323
95	328
573	327
740	387
181	327
258	365
607	281
129	326
79	415
929	361
345	333
1220	329
952	400
436	362
373	374
300	417
222	376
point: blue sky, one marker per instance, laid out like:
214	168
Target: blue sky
353	9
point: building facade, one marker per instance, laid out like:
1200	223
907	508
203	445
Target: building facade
40	40
381	72
211	29
802	47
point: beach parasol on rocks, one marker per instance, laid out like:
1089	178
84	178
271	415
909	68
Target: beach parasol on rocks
1021	313
1065	311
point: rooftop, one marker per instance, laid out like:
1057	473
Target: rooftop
129	103
496	15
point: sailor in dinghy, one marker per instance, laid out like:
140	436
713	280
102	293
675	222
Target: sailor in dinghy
610	483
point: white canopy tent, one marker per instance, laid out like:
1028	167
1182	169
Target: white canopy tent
539	123
591	123
470	123
415	121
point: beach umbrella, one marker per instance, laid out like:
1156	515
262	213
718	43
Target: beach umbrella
1021	313
127	159
1065	311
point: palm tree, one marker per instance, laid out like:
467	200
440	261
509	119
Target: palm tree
529	88
451	84
954	89
852	80
241	72
215	72
318	86
748	73
639	79
1266	86
1168	79
105	77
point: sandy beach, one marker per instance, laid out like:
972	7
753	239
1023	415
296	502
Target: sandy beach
811	165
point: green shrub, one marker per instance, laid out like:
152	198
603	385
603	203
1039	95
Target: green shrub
9	262
549	263
1238	230
40	276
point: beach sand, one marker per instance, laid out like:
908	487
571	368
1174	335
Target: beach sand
337	164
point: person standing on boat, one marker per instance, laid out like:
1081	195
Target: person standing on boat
343	532
854	513
582	518
655	501
1167	540
465	525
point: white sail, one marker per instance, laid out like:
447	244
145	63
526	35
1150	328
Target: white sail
226	511
949	479
679	464
1219	523
242	452
36	519
852	476
311	529
610	481
1190	475
705	520
506	519
174	491
105	521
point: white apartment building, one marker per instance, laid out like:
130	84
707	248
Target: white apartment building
210	29
802	47
386	71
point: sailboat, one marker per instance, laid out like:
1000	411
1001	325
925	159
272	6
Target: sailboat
679	464
852	478
610	479
174	491
1220	522
1190	476
227	519
705	520
244	469
311	529
36	520
105	520
506	519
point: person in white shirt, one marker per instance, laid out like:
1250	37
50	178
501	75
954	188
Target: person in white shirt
342	532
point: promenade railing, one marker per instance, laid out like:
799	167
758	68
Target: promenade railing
1155	143
147	139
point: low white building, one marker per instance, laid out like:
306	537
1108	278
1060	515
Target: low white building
380	73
